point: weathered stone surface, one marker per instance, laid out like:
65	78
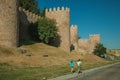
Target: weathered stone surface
14	24
88	45
8	23
62	18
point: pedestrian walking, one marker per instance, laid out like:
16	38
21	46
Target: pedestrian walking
79	65
72	63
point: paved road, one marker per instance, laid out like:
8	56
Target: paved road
110	73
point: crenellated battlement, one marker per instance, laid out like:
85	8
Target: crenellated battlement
95	38
74	31
94	35
31	16
74	27
62	17
25	18
19	19
87	45
58	9
74	36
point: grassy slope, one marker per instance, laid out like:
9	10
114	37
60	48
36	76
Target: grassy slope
43	55
45	61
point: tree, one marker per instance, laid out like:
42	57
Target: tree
47	30
99	50
30	5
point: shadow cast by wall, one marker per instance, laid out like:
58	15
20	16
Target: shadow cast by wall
55	42
29	33
24	35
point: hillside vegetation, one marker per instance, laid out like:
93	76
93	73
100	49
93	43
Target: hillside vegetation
38	61
115	52
40	54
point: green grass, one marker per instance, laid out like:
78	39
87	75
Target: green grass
117	58
8	72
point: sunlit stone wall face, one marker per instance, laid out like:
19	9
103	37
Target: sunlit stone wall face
8	23
62	17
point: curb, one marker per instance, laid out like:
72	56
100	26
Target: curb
71	76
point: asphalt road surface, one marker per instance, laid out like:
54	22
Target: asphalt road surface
110	73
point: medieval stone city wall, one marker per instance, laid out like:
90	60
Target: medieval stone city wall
62	17
74	37
88	45
25	18
94	38
9	23
83	45
31	17
14	21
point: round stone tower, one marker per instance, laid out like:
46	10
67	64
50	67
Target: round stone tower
74	37
62	17
8	23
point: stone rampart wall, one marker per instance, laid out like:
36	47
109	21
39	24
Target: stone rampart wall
74	37
25	18
88	45
9	23
14	21
62	17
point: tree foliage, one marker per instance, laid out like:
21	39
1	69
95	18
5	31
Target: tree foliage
99	50
47	30
30	5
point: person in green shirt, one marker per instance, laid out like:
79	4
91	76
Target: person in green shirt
72	63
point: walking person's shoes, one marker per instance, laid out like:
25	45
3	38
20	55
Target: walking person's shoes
79	72
73	72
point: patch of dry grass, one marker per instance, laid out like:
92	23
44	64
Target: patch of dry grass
114	52
33	62
43	55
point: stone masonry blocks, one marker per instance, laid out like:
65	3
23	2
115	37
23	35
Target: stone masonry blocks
62	18
8	23
14	24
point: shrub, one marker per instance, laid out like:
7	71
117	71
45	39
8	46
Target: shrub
99	50
47	30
